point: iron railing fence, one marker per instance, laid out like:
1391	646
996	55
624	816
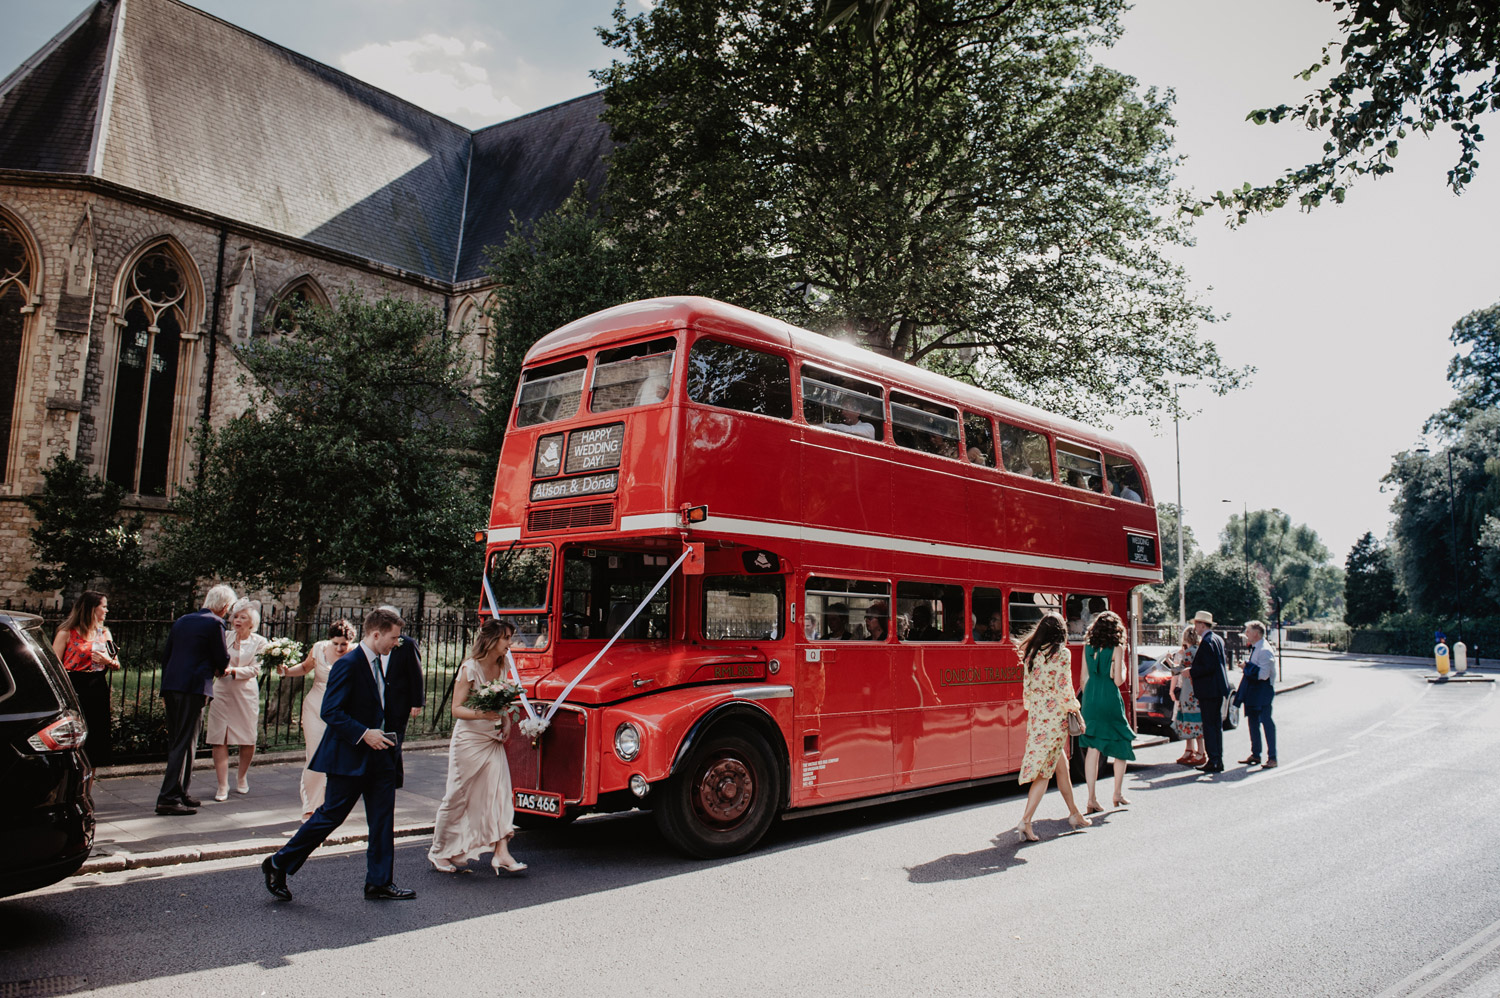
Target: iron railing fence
140	728
1171	635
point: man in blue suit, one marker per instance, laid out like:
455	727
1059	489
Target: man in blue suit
361	753
194	655
1210	685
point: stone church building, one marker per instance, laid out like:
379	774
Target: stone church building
168	181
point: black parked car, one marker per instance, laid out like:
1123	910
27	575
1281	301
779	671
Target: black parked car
46	813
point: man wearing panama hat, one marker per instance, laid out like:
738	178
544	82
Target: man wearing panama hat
1209	672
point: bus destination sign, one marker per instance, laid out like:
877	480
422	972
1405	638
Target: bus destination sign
1140	549
594	448
567	488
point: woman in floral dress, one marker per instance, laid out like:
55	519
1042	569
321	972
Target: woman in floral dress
1188	721
1047	691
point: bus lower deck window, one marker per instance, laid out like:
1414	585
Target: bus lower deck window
929	611
989	614
743	607
603	587
1028	608
847	610
1081	611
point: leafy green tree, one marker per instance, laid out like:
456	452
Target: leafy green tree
1423	530
560	267
955	183
1474	372
1405	67
1295	561
80	539
351	461
1221	586
1369	583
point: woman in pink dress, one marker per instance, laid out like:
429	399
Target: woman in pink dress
318	662
477	814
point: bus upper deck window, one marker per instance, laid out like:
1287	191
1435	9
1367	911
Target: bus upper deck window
639	374
847	405
550	392
734	377
1025	452
1080	467
918	424
1121	479
979	440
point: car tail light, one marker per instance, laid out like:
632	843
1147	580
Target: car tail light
63	735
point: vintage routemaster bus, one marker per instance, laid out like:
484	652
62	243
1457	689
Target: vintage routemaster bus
865	539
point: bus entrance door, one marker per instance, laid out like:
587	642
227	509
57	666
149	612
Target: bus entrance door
844	718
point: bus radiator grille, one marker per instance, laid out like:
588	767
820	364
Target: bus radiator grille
597	514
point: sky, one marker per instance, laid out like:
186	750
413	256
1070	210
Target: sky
1344	312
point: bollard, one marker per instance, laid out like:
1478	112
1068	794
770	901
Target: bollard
1460	657
1441	654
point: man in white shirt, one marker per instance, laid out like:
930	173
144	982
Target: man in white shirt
852	423
1257	690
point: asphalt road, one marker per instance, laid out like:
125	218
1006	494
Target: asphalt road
1364	866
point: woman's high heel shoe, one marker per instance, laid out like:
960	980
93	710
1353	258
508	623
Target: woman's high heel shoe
1079	821
443	866
1094	807
221	794
1023	830
512	867
1121	802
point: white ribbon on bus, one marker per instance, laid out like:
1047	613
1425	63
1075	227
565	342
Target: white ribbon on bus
532	725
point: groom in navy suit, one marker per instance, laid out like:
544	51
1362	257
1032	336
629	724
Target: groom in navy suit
361	753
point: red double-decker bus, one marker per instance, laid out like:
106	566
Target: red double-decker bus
863	540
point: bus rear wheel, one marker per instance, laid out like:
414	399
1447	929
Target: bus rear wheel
723	798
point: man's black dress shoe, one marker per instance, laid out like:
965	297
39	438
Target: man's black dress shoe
191	801
175	809
388	892
275	880
1210	767
1253	760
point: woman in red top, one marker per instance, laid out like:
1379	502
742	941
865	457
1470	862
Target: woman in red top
85	646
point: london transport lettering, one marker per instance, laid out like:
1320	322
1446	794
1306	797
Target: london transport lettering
595	448
566	488
982	676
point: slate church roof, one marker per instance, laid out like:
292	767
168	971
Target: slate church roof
162	98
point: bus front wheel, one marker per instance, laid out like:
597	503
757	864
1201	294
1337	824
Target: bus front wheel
723	798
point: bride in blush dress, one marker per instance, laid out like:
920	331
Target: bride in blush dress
319	663
477	813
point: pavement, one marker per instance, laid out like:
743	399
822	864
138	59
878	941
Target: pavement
130	835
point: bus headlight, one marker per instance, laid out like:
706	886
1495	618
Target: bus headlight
627	742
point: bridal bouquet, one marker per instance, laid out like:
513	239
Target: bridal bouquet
498	695
279	652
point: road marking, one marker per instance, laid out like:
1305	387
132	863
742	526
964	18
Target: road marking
1481	943
1300	766
1382	723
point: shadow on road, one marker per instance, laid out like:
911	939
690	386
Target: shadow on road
1003	854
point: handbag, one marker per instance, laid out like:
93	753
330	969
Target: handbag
1075	724
1232	716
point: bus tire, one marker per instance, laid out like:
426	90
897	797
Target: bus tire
724	796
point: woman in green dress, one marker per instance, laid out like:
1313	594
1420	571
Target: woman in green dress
1106	732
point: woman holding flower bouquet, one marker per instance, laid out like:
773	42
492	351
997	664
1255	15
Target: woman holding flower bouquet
319	662
233	716
477	813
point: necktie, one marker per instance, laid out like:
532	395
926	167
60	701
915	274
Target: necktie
379	673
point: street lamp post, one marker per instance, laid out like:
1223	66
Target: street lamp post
1181	568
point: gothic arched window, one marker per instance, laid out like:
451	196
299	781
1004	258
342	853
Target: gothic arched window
140	438
286	311
15	295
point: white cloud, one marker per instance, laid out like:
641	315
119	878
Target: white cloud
435	72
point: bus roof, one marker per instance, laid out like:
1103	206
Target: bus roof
655	315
